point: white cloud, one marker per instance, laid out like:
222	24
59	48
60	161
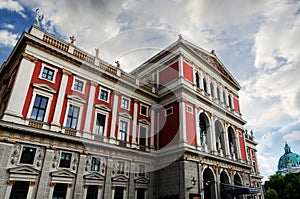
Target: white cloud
7	26
7	38
293	136
12	6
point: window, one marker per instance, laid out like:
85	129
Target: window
218	94
141	170
224	97
204	85
60	191
95	166
125	103
123	130
197	80
28	154
19	190
140	193
78	85
65	160
92	192
119	191
72	118
144	110
100	124
48	73
229	101
169	111
212	90
143	136
39	108
104	95
120	167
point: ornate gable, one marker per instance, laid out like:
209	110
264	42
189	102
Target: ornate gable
23	172
103	107
76	98
141	180
93	178
119	178
44	87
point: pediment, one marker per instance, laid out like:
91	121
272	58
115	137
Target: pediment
44	87
63	174
103	107
94	176
144	121
120	178
126	115
141	180
76	98
25	170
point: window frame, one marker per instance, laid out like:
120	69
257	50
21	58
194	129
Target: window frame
60	159
32	158
108	95
51	68
95	163
127	132
146	138
128	105
74	103
39	108
75	78
147	110
169	108
120	164
105	123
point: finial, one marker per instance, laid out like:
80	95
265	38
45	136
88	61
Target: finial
179	36
118	63
97	52
213	52
72	38
38	17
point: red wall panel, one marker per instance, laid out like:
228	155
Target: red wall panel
190	125
242	145
236	104
188	72
168	74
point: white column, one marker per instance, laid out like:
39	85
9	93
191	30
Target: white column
146	193
10	184
30	189
197	126
227	147
60	99
114	117
152	127
52	185
125	193
113	192
85	188
180	66
68	195
134	121
213	137
99	196
19	91
182	121
135	193
89	111
238	147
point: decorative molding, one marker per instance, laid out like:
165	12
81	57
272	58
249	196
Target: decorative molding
66	72
30	57
44	87
10	182
76	98
103	107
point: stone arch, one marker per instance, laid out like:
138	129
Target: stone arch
238	181
204	126
220	138
224	183
209	183
232	143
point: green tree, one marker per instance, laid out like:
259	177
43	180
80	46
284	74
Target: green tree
271	194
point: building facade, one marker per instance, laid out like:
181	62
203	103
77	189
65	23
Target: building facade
74	126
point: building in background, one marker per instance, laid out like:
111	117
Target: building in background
74	126
289	162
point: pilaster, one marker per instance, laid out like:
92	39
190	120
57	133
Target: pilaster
89	112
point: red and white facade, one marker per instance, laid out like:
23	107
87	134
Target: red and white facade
96	131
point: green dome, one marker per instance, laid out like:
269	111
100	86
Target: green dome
288	159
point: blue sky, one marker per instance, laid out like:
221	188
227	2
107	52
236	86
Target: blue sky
258	41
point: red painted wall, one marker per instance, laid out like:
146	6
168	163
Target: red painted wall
242	145
236	104
190	125
168	74
169	125
188	72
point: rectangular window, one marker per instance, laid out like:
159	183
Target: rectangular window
39	108
169	111
125	103
48	73
140	193
104	95
119	192
123	127
78	85
95	166
100	124
72	118
144	110
65	160
120	168
141	170
27	156
143	136
60	191
92	192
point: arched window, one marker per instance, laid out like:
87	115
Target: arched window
229	101
224	97
204	85
197	80
212	90
218	94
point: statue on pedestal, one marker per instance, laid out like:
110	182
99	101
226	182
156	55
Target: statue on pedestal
38	17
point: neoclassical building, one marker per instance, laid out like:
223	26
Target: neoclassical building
75	126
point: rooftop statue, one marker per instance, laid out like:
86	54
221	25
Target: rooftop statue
38	17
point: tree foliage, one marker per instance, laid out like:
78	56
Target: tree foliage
286	187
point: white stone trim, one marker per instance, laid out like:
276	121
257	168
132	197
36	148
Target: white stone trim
108	94
89	110
74	103
98	111
50	67
147	133
78	79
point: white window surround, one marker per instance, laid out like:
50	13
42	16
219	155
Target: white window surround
42	93
50	67
106	121
128	128
73	83
189	109
147	110
125	98
147	132
169	109
80	105
108	94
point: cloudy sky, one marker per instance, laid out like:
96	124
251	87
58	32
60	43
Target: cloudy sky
257	40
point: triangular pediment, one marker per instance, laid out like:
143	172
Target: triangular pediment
27	170
120	178
63	174
124	114
141	180
44	87
94	176
144	121
102	107
76	98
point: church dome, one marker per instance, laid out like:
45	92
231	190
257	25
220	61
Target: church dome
288	159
